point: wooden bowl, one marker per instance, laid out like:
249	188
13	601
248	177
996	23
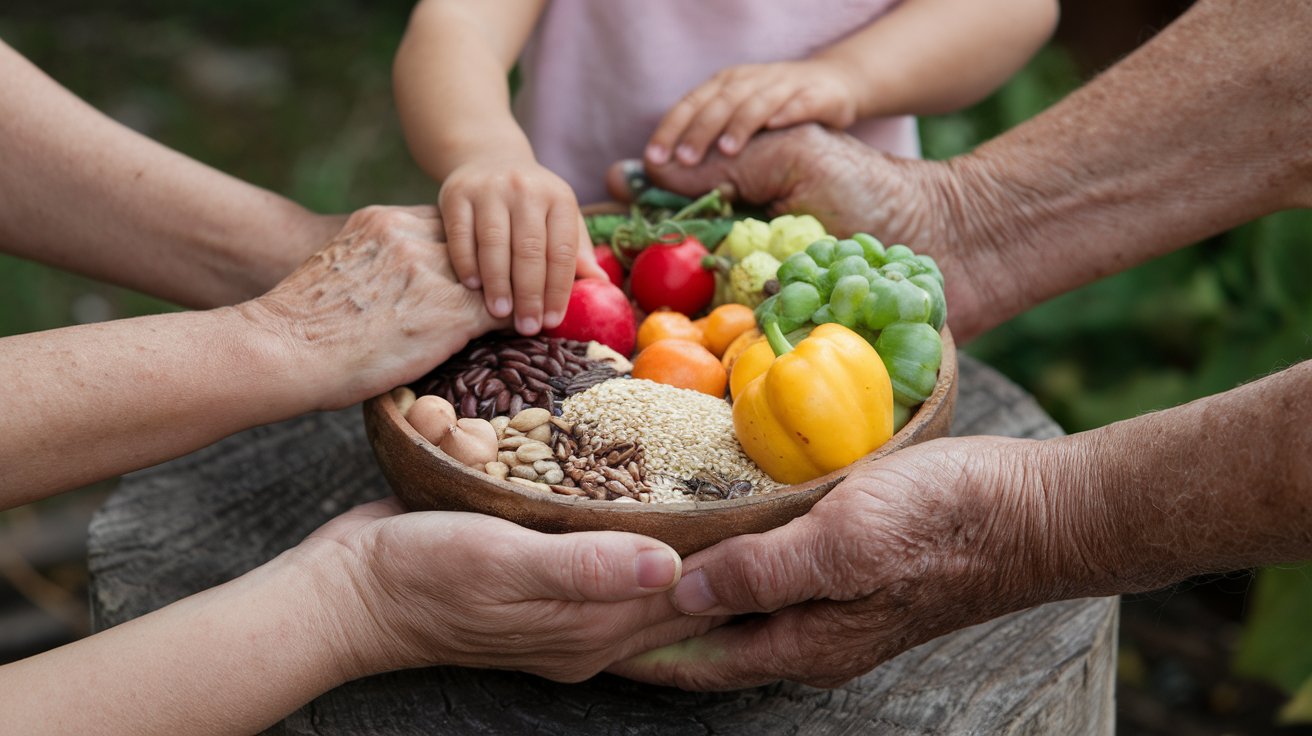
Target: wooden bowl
426	478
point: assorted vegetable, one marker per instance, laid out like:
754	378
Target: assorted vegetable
890	296
598	310
683	364
669	275
864	319
611	265
813	408
667	325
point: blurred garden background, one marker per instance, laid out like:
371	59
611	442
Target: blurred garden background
295	96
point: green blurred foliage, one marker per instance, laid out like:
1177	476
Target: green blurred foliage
1279	609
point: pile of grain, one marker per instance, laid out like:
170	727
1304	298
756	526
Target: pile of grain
682	432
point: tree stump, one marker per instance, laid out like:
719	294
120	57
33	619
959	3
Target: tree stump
199	521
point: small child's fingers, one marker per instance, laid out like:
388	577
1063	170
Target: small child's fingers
705	129
528	261
458	222
586	266
563	254
492	227
676	121
751	116
800	108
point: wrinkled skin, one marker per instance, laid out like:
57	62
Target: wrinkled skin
851	187
426	588
375	308
929	540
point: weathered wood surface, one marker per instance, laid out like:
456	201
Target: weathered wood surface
204	519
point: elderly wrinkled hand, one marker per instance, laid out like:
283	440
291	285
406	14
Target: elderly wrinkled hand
851	188
377	307
931	539
424	588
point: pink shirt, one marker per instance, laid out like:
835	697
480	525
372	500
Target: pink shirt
598	75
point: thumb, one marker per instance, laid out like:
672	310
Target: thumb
597	566
756	573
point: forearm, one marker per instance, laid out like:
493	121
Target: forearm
79	191
88	402
934	56
1206	127
452	94
1220	484
376	308
231	660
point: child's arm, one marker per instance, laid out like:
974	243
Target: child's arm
925	57
454	102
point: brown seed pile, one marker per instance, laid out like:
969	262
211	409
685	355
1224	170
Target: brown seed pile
685	434
497	376
524	452
547	453
601	470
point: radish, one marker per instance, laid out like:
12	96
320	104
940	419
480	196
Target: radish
598	310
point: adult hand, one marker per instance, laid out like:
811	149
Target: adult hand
851	188
931	539
427	588
375	308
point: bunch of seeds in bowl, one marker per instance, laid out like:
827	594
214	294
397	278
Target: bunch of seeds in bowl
687	437
566	422
549	454
496	376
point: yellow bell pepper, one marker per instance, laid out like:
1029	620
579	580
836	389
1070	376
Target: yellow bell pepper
815	408
751	363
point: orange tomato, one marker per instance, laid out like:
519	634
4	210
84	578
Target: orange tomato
681	363
666	325
739	344
724	324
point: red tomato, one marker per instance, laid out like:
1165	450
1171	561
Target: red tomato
671	275
610	264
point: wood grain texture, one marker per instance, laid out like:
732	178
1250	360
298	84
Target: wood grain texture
193	523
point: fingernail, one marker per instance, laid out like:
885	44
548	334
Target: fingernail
473	283
501	308
693	594
552	319
656	568
527	326
657	154
728	144
686	154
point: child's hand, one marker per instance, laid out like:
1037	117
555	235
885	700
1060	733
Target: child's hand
514	229
741	100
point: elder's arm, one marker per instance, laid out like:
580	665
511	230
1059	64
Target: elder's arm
81	192
1207	126
957	531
